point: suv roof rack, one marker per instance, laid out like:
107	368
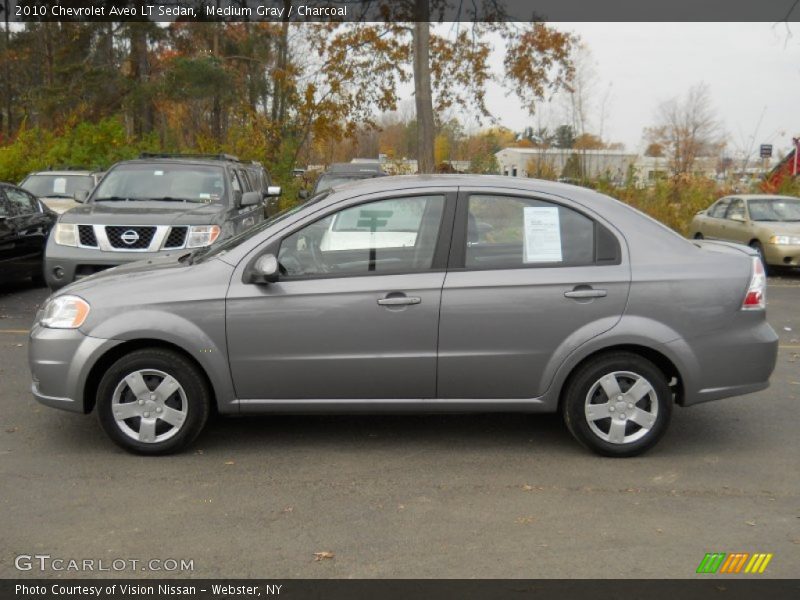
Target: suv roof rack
228	157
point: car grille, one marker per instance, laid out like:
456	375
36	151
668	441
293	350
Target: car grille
123	237
176	237
86	236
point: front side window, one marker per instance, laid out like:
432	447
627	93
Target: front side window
507	233
386	236
166	182
20	203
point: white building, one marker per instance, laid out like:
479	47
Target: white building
550	163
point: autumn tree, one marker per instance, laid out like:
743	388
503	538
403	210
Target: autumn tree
686	128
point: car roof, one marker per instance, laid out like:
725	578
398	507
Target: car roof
763	197
399	182
182	161
63	172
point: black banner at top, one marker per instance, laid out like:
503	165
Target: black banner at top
401	10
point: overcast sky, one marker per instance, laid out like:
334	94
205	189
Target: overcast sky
751	69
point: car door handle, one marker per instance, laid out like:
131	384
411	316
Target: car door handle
399	300
586	293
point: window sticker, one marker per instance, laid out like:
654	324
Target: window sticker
542	234
60	185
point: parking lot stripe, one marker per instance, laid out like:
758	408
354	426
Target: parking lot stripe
15	331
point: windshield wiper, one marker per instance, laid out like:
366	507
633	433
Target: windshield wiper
57	196
115	199
171	199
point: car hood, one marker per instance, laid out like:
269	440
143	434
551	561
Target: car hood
126	271
778	228
143	212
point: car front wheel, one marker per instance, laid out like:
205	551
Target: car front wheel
153	401
618	404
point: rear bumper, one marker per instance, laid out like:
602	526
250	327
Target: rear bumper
734	362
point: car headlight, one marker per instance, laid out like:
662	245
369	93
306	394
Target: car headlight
202	235
65	312
784	240
66	234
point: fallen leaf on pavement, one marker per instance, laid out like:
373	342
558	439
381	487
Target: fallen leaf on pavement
12	429
230	462
318	556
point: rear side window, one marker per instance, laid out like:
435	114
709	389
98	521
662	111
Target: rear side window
718	210
736	210
504	232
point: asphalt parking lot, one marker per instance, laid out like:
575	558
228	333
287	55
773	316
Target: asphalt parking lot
413	496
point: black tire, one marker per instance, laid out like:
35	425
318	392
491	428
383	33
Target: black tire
38	279
588	377
698	236
192	399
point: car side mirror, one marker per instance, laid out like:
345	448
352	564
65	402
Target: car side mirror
303	194
265	269
250	199
273	190
80	196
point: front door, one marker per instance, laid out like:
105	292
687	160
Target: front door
355	313
530	279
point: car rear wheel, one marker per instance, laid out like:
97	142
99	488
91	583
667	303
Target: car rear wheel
698	236
618	404
153	401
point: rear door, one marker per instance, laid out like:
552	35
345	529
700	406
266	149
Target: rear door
714	227
530	278
736	227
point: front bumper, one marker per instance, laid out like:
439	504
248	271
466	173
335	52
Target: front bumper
782	255
60	361
65	264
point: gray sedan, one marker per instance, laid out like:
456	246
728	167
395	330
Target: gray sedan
429	293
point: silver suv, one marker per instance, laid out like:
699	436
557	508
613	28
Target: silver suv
158	204
435	293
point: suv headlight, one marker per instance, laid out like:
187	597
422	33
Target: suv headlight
66	234
202	235
784	240
65	312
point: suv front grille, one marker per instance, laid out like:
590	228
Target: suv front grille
130	238
176	237
86	236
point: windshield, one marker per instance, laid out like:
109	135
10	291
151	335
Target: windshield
210	251
329	181
178	182
775	209
55	186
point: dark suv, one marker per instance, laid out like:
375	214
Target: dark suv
153	205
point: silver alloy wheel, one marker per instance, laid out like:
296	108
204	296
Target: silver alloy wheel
621	407
151	401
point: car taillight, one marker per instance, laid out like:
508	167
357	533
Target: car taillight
756	296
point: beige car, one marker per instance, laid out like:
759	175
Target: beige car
766	223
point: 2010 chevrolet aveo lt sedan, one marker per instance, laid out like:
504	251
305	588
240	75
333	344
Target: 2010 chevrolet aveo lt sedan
429	293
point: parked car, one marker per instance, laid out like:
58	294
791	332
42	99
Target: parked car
340	173
159	203
260	180
57	189
769	224
24	226
515	295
